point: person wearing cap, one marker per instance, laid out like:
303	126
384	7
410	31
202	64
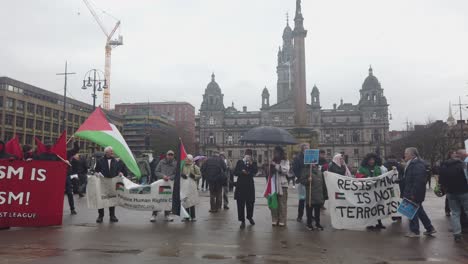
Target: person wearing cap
189	176
166	170
227	183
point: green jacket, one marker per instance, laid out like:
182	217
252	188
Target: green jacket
366	171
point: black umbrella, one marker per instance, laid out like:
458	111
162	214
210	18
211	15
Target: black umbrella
269	136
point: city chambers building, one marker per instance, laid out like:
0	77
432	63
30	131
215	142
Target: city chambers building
352	129
28	111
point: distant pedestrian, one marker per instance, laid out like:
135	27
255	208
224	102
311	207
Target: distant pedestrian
109	167
298	166
371	167
244	193
338	166
279	168
166	170
415	190
227	174
190	174
214	170
391	163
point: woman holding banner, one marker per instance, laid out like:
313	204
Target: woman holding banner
189	177
279	169
370	167
338	166
312	179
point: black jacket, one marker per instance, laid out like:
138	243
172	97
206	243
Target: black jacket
336	169
452	176
389	164
79	167
213	170
245	188
116	167
415	177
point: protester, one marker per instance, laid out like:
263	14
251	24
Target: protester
245	188
145	169
109	167
389	164
28	153
298	166
324	164
191	173
338	166
204	184
49	155
312	179
214	170
227	174
80	169
371	167
453	180
166	170
279	169
415	190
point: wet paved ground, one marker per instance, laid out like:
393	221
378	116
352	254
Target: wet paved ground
217	239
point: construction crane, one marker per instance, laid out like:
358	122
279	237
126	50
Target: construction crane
110	44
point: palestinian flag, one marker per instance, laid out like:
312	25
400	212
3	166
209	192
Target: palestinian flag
271	194
98	130
181	156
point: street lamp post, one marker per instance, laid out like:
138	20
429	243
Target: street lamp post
96	79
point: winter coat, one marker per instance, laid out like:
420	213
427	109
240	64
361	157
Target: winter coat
245	187
281	171
144	167
337	169
314	189
370	172
389	164
191	171
116	167
153	165
415	181
452	177
188	185
214	171
166	168
79	167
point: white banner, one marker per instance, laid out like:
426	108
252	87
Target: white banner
357	203
120	191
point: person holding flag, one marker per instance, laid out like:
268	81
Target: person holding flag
189	175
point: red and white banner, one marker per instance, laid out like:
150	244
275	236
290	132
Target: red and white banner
31	193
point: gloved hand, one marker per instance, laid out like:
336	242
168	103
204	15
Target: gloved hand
183	176
192	175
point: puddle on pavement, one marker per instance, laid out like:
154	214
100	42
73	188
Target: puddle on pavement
215	257
169	253
30	252
110	251
86	225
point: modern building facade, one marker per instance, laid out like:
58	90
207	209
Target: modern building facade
354	129
28	111
181	113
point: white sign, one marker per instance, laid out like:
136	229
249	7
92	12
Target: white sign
120	191
357	203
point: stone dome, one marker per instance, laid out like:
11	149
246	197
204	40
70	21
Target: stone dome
213	87
371	82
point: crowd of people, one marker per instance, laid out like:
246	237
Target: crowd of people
218	175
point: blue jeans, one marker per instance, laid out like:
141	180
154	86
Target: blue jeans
420	215
456	202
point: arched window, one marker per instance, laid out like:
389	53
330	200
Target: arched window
211	121
211	139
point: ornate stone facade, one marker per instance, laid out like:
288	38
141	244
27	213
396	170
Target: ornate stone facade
355	129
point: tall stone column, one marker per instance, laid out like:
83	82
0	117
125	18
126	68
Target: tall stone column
300	95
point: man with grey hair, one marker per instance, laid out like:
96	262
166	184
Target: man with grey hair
415	191
109	167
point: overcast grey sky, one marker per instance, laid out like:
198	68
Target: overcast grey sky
418	49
